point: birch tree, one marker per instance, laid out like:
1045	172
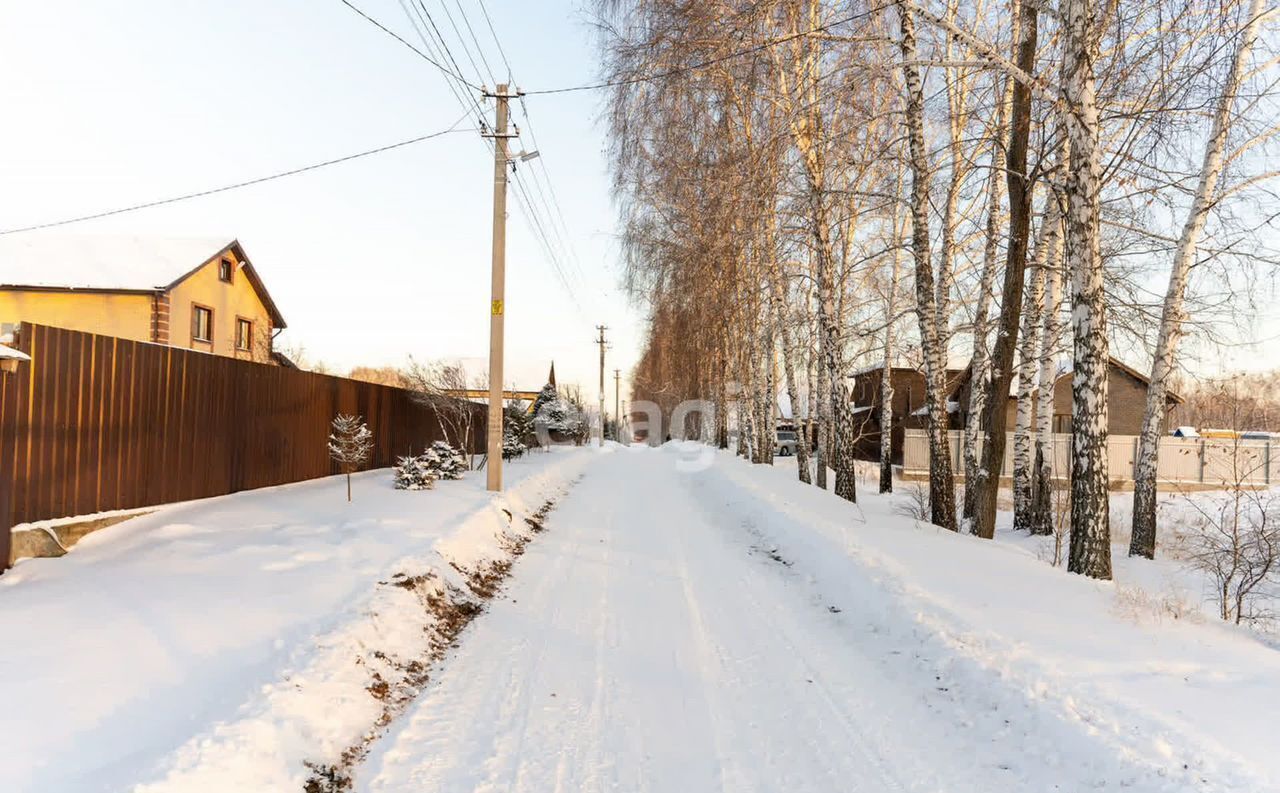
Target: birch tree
1172	317
1090	550
1028	360
942	505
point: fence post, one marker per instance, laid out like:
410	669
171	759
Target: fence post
1202	455
1266	468
8	444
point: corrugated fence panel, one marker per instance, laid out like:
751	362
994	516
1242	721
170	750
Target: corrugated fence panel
96	423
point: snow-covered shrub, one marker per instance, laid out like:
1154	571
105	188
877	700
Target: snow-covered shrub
512	445
449	462
561	418
414	473
519	422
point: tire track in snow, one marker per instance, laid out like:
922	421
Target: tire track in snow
677	662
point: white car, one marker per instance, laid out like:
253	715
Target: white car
786	443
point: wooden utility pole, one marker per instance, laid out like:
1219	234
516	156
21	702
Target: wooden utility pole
498	290
601	342
617	412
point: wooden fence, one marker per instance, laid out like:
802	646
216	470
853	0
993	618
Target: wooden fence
95	423
1204	462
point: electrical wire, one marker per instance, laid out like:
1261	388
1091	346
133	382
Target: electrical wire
238	185
411	11
398	38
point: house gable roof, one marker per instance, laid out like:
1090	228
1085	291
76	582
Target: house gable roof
1065	371
1143	379
117	264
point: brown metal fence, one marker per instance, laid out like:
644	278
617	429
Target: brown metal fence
95	423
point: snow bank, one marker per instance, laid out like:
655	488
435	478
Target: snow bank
1191	702
213	645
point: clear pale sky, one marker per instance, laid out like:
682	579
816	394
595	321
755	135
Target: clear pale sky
111	104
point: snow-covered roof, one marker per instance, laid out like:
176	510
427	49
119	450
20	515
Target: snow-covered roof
923	410
866	370
120	263
9	352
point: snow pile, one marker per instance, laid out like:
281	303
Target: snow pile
1187	703
219	644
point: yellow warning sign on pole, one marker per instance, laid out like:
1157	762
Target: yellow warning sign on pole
497	308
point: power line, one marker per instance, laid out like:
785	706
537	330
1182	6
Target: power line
485	10
554	242
412	10
465	48
531	195
238	185
444	45
398	38
561	228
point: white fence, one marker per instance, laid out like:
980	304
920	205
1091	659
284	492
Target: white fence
1201	461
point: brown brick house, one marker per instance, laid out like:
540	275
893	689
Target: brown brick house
1127	400
908	406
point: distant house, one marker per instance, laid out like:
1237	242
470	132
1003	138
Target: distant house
908	406
200	294
1127	400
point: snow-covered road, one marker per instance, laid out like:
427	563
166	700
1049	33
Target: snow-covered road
688	622
649	641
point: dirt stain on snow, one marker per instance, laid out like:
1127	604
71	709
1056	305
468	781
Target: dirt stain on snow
447	610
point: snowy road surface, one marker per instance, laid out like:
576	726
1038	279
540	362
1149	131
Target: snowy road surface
650	641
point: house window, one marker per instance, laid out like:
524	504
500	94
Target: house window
226	270
202	324
244	334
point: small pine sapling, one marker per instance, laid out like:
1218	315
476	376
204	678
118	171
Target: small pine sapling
414	473
512	445
350	445
452	463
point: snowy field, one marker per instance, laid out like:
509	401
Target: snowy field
677	627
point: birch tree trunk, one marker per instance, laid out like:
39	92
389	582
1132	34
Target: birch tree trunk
1143	541
778	283
823	406
1041	520
1090	549
886	372
942	502
768	397
978	362
995	411
1028	358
